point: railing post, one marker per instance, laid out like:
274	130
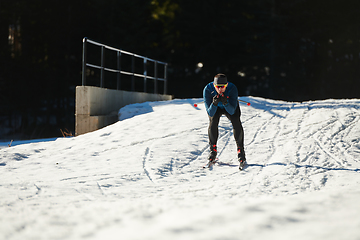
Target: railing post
165	78
84	62
145	74
102	67
155	83
133	71
118	76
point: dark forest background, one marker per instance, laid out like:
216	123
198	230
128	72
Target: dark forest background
293	50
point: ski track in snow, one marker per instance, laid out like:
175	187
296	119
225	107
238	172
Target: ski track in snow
142	178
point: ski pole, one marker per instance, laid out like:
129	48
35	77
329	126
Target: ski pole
247	103
196	104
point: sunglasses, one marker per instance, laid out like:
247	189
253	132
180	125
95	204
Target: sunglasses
221	85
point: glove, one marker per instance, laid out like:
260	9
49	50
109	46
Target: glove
223	99
216	100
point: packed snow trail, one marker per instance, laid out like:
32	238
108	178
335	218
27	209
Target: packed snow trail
142	178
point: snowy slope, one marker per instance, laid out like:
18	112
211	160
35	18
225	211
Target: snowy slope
141	178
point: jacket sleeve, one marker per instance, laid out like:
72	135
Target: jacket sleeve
233	101
208	98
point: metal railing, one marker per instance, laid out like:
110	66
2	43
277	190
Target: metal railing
118	71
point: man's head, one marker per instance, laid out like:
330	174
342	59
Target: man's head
220	83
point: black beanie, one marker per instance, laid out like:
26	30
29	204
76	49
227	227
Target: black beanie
220	79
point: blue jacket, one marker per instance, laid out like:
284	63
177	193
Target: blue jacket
231	92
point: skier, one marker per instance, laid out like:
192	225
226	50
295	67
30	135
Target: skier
221	98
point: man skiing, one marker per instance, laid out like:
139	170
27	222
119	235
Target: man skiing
221	98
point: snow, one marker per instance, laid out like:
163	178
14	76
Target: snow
20	142
142	177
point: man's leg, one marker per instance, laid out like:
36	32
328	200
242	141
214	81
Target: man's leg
213	132
238	132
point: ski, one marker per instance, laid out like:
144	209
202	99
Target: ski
210	164
242	165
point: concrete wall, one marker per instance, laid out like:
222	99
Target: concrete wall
98	107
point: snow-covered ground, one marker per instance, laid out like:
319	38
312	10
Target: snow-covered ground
12	143
142	177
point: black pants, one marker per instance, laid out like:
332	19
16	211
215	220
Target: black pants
236	123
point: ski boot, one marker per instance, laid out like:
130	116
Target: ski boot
212	155
241	158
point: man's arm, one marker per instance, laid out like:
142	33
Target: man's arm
208	100
233	101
